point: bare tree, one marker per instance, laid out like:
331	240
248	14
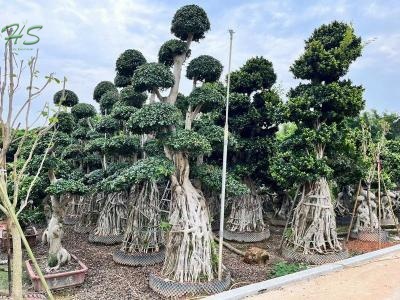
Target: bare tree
15	116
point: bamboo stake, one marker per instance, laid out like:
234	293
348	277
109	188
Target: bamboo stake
289	217
28	249
225	152
379	199
354	211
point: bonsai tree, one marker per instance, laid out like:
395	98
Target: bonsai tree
189	253
116	148
256	110
317	107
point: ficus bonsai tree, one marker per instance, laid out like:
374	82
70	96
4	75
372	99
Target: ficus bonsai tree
255	112
317	107
189	254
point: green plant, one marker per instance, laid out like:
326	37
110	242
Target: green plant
32	216
284	268
165	226
52	261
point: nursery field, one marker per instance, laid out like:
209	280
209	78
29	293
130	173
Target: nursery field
108	280
128	185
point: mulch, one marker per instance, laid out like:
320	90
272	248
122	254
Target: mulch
107	280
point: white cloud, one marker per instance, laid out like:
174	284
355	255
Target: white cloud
82	39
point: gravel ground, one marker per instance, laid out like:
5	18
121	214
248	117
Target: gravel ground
108	280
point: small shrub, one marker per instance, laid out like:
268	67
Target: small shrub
52	261
285	268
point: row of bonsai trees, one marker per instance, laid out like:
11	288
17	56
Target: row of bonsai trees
145	170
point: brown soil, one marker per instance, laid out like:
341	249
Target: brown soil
358	247
108	280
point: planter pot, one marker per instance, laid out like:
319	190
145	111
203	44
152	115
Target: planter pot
58	280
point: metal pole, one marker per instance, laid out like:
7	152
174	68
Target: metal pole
224	157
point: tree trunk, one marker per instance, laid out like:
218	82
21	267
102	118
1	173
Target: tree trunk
314	224
16	263
246	212
143	233
58	255
112	219
190	255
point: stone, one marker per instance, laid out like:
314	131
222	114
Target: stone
255	255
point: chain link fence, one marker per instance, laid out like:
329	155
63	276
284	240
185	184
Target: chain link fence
370	235
248	236
313	258
106	240
138	259
172	289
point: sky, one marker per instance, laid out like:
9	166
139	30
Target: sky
82	39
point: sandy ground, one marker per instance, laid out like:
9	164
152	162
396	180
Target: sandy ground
374	280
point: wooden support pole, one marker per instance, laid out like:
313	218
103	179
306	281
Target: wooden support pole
354	211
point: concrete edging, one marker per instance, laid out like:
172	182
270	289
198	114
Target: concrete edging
263	286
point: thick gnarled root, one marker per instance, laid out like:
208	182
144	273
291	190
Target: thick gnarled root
190	253
246	214
58	255
112	219
89	210
314	224
143	233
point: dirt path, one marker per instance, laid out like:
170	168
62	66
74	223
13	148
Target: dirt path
378	279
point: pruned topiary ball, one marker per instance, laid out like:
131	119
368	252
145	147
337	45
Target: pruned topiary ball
154	117
122	112
107	124
204	68
130	97
188	141
190	20
123	145
101	88
129	61
69	99
122	80
151	76
65	122
108	100
263	67
170	49
208	96
328	53
83	110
